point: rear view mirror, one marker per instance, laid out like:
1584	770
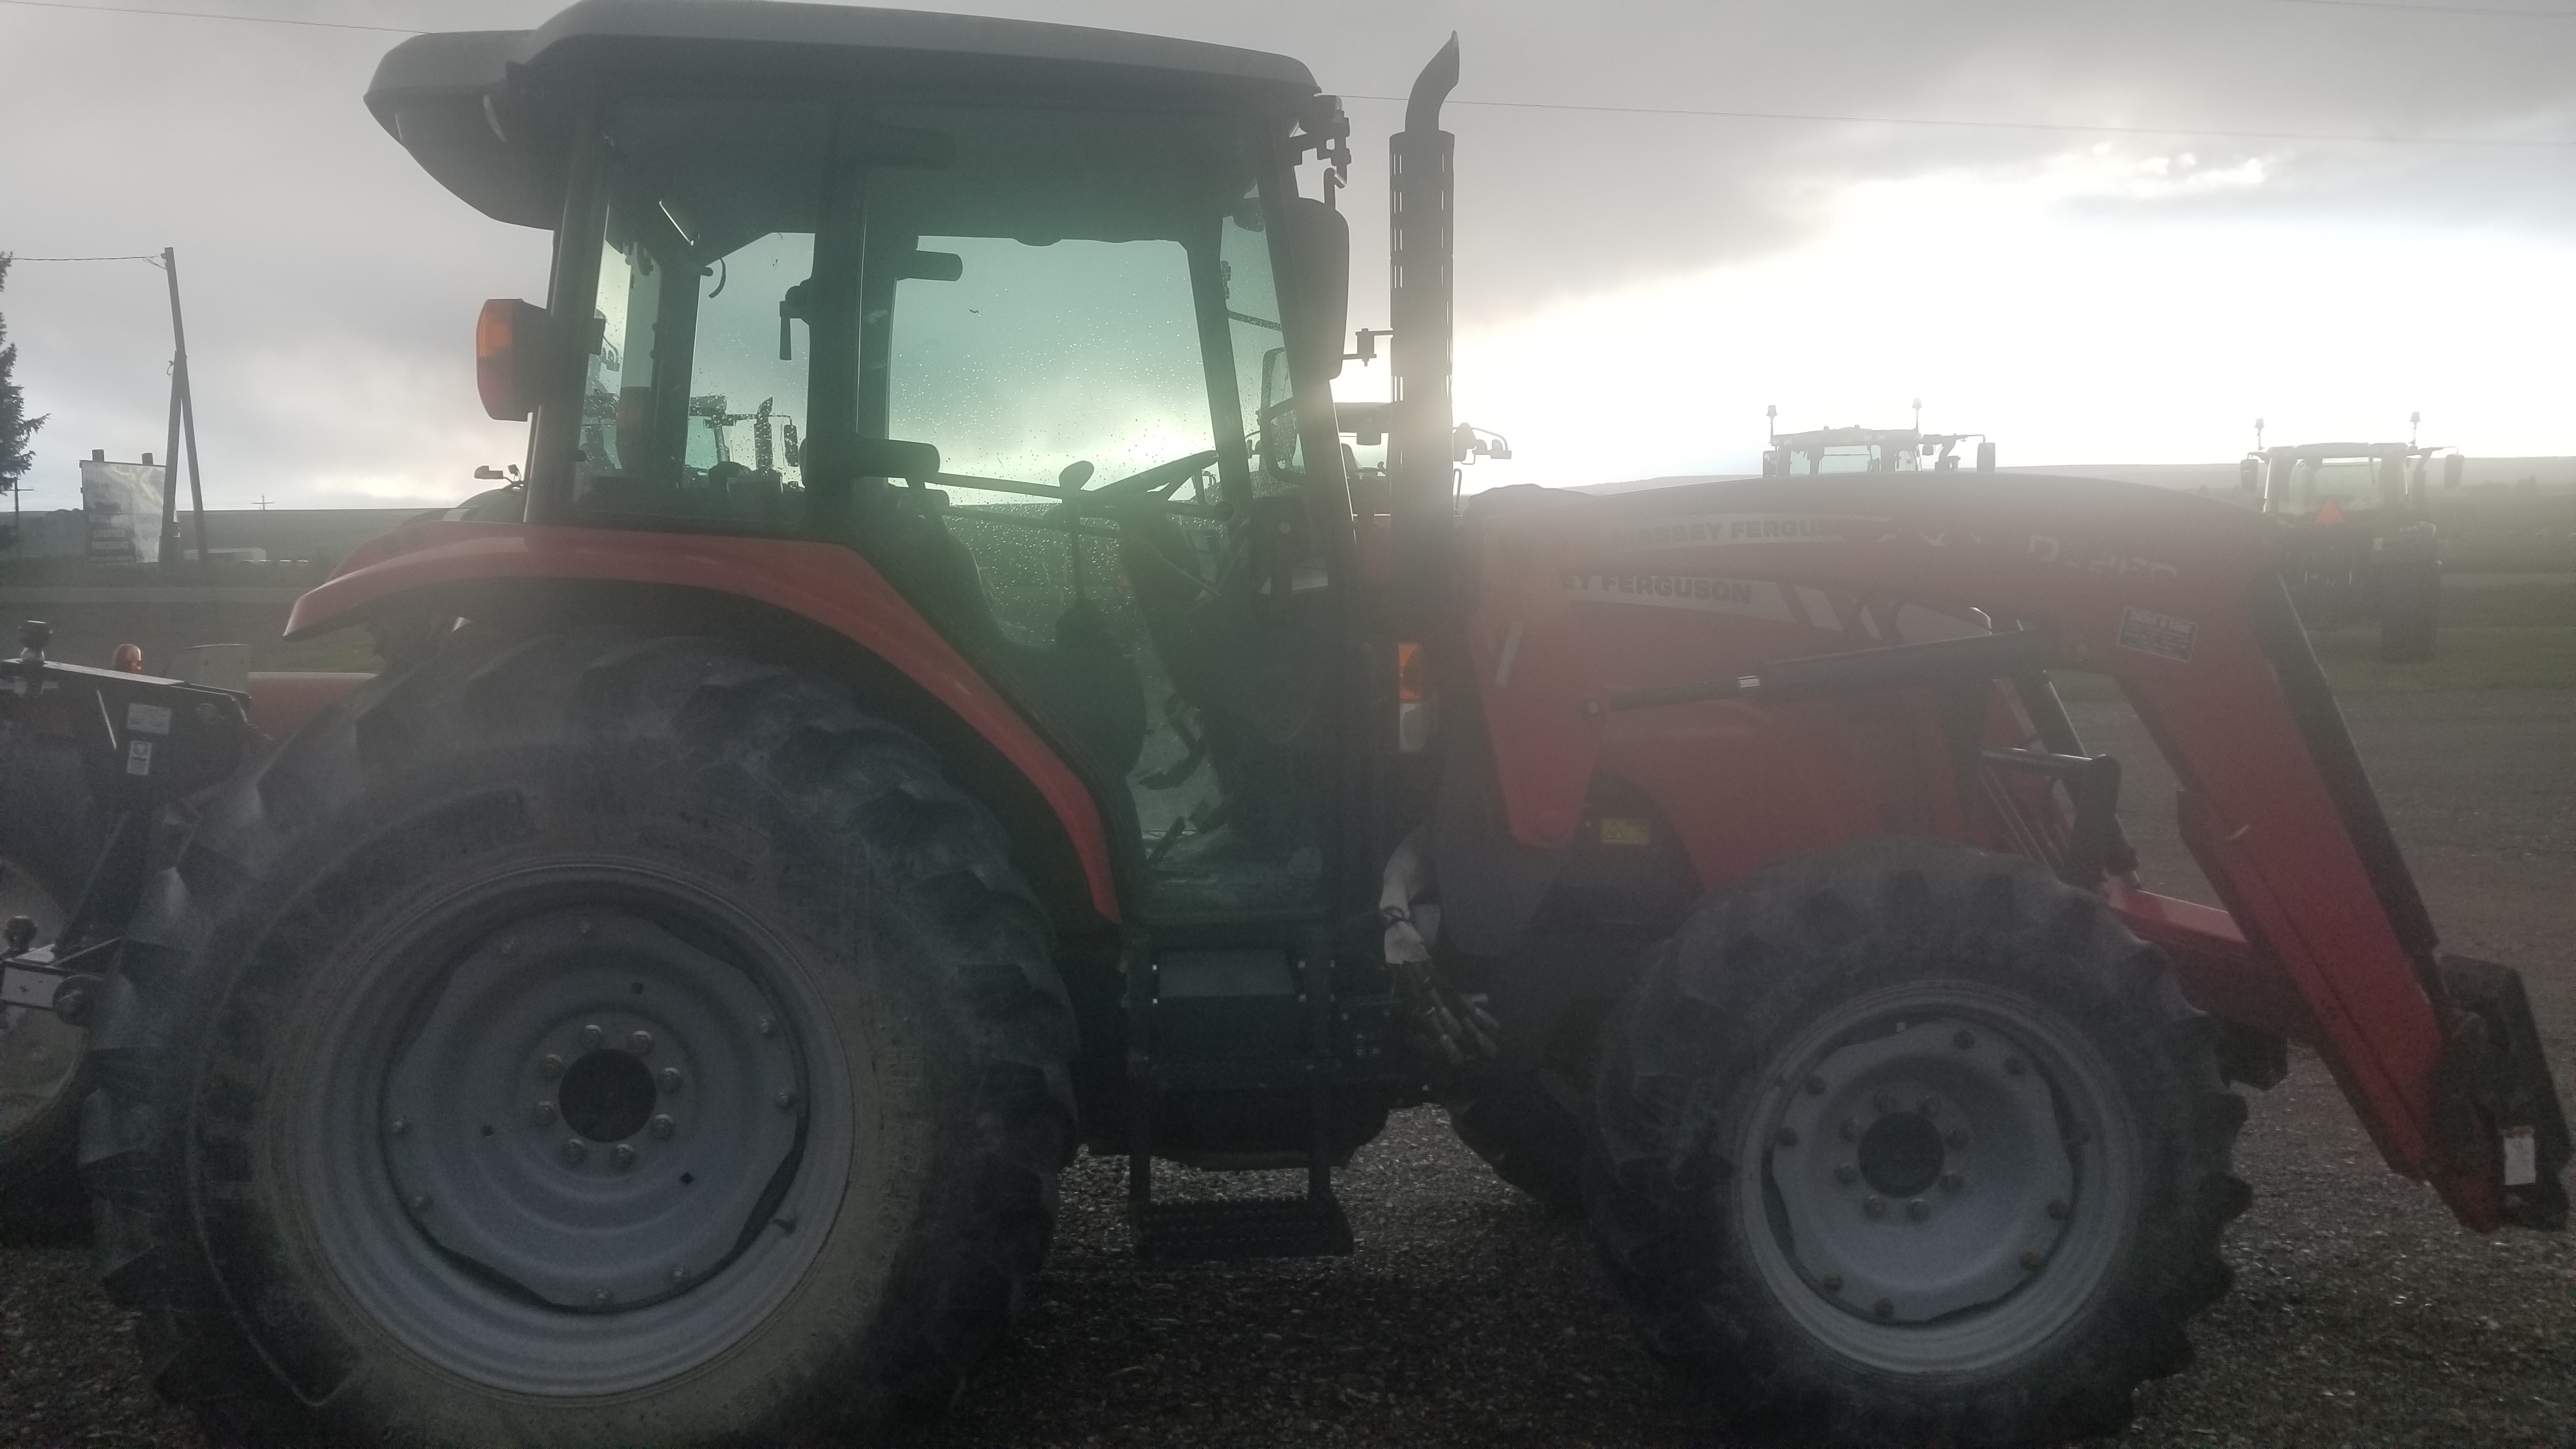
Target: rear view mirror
513	346
921	266
1986	456
1319	247
832	457
2249	474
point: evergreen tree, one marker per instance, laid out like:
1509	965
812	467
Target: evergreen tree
15	426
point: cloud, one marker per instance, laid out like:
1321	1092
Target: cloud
331	285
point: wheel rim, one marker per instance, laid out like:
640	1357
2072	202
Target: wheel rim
1947	1175
576	1132
40	1054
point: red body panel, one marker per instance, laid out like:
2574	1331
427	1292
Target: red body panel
830	585
281	704
1580	596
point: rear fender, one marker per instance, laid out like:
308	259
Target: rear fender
820	602
2174	596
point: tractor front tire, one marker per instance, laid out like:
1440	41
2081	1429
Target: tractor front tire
1527	1124
588	1039
50	837
1906	1143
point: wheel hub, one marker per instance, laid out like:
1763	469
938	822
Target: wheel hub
594	1110
1922	1171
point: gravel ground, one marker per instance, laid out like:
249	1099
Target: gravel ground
2362	1314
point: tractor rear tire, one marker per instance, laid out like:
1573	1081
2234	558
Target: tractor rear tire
50	836
1906	1143
589	1039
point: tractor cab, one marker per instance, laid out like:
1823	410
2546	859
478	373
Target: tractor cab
2355	534
1034	321
2327	483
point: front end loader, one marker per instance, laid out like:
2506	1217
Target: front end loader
938	704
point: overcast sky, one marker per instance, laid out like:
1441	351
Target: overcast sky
1633	288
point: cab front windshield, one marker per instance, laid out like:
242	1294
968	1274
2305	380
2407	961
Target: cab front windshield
1079	311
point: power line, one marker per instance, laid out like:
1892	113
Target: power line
2109	130
154	258
209	15
2518	14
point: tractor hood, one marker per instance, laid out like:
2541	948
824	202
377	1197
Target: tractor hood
490	113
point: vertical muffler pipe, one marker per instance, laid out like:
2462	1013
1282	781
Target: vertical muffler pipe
1419	460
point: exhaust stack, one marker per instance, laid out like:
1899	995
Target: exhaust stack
1419	458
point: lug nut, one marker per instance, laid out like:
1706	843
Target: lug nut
679	1276
2058	1209
543	1113
592	1038
1952	1182
1851	1130
1846	1174
2015	1066
784	1100
2030	1260
670	1079
574	1152
640	1043
398	1127
622	1155
1788	1136
1833	1282
586	928
1958	1138
550	1068
601	1297
768	1027
1815	1086
1884	1101
420	1202
1874	1205
1883	1308
1964	1041
1918	1209
510	947
662	1127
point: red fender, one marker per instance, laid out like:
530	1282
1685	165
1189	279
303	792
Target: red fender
828	584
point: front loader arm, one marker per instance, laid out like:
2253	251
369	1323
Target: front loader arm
2324	937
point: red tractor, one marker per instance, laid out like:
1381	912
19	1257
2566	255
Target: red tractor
938	704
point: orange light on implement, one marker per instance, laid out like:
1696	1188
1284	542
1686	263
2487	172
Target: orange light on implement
1412	698
1411	686
511	346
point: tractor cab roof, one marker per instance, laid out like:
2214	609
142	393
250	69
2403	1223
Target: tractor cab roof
489	113
2334	452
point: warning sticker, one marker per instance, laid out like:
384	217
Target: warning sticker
1753	598
138	757
147	719
2161	635
1707	529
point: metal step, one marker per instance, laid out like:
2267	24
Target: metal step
1235	1229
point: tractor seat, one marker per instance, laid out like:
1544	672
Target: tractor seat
1083	689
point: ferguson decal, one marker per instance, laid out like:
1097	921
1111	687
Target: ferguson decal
1752	598
1709	529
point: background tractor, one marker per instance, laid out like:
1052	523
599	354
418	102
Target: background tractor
1868	450
938	704
2357	539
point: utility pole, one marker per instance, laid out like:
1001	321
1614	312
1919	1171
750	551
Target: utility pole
183	417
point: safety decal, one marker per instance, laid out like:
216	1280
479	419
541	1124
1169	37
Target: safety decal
147	719
138	757
2162	635
1752	598
1707	529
